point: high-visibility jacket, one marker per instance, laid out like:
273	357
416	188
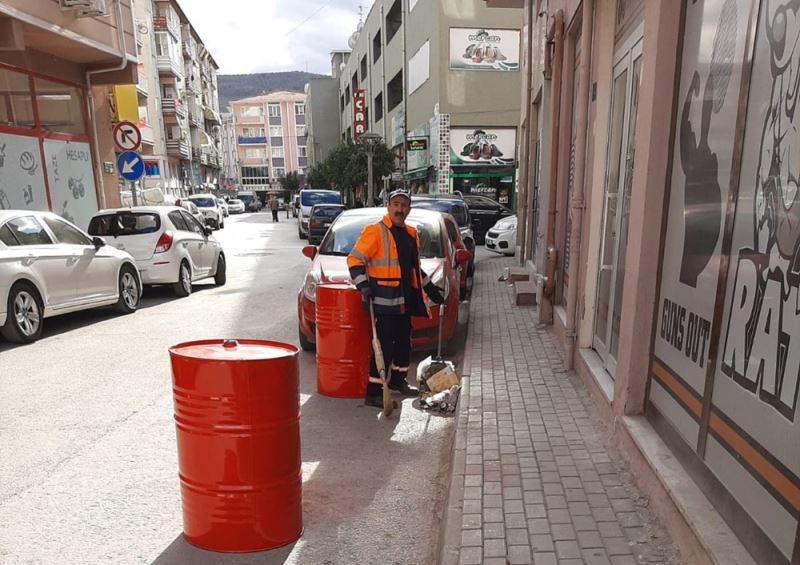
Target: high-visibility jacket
374	261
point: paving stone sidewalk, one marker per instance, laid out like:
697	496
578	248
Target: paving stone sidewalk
535	480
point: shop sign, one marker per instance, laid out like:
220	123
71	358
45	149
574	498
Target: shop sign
480	49
417	154
69	172
21	174
359	114
483	146
417	144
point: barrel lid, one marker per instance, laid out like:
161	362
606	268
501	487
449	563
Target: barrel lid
234	350
337	286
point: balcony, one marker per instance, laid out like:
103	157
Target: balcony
166	66
252	140
195	117
178	148
162	23
173	106
148	136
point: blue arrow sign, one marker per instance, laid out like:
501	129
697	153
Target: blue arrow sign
130	166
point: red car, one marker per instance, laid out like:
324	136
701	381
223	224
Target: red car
439	257
464	276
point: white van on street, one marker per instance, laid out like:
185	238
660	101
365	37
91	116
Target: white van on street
308	198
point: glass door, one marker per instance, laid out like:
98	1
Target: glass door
619	177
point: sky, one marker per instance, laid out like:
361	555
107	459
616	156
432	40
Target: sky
255	36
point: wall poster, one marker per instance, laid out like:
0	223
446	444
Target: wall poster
484	49
69	172
483	146
22	184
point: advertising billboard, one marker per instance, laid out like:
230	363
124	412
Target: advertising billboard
479	49
483	146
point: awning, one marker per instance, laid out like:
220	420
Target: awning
417	174
211	115
205	139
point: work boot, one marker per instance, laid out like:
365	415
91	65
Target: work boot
404	388
377	401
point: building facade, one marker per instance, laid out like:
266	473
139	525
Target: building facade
322	110
441	85
658	207
230	160
55	132
271	138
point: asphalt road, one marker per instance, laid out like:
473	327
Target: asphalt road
88	462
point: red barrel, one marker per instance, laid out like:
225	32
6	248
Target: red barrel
237	414
344	341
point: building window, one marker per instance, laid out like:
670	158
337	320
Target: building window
342	104
255	176
364	68
395	91
302	131
419	67
275	131
251	111
394	20
302	151
280	172
347	94
253	132
376	47
377	110
16	105
299	109
354	81
60	107
255	153
277	152
162	44
274	110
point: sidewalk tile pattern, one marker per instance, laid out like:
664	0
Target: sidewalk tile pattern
535	479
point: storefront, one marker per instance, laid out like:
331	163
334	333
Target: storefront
483	161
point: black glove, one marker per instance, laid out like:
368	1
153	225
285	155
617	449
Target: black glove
366	297
435	294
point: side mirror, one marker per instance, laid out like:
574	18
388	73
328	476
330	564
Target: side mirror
463	256
310	251
207	230
98	242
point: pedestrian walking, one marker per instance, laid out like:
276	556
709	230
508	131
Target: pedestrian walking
385	266
273	205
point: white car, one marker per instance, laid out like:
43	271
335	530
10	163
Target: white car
49	267
168	244
236	206
212	213
223	206
192	208
502	237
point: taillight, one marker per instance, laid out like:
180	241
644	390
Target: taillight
164	242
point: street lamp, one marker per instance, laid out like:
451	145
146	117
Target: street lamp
370	142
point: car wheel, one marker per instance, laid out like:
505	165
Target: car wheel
220	277
305	343
222	226
25	314
184	285
129	291
300	233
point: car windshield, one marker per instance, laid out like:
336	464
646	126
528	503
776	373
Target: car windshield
201	202
311	198
344	233
125	223
246	197
456	209
326	211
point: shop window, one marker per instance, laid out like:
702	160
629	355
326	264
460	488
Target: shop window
16	107
395	91
60	107
394	20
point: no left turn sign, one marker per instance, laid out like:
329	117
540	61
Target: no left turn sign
127	136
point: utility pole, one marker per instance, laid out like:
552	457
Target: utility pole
370	141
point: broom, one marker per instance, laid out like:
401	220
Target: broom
379	362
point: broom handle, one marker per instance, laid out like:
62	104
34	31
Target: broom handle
441	322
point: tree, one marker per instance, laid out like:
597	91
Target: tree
346	164
317	176
290	181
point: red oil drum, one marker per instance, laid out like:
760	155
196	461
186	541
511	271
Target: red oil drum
344	341
237	414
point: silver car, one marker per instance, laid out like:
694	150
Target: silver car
48	266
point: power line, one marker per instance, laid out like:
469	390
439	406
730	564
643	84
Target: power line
317	11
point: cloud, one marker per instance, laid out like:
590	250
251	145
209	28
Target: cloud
247	36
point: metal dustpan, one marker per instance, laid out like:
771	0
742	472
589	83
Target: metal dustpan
434	373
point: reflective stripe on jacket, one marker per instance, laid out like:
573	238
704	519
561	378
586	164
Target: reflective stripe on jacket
374	261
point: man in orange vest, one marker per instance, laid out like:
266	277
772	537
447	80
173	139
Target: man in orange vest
384	265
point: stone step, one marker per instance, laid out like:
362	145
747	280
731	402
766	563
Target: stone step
525	293
514	274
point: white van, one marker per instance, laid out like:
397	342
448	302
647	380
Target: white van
308	198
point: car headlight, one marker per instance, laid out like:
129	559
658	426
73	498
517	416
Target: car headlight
310	286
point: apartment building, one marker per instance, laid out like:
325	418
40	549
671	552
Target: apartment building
657	199
441	85
230	162
271	138
56	64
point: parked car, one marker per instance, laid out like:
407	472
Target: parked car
224	207
168	244
465	276
320	219
329	263
48	266
192	208
456	207
236	206
502	238
250	199
308	198
484	212
212	213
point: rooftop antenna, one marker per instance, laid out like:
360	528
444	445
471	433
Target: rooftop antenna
360	16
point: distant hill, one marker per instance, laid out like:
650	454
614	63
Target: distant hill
235	87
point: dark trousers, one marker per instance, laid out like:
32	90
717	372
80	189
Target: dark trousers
274	215
394	333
